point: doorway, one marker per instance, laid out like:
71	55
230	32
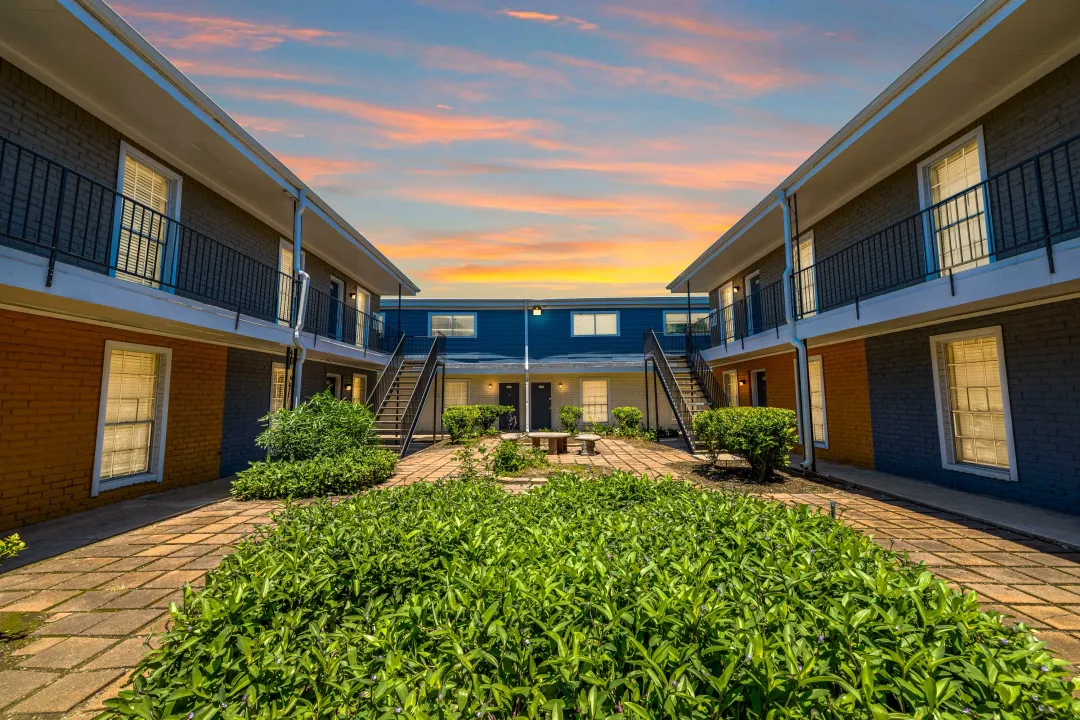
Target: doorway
753	304
333	384
540	415
758	389
510	394
333	315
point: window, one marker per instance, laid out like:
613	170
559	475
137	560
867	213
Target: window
957	219
457	392
151	199
817	402
594	401
363	302
675	321
285	279
727	311
131	422
332	382
731	388
359	389
805	274
280	388
973	403
585	324
460	325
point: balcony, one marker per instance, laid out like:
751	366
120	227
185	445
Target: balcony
52	211
1030	206
756	313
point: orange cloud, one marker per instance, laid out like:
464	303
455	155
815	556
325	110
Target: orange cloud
533	16
210	69
472	63
314	170
725	64
694	26
199	32
660	81
699	176
412	126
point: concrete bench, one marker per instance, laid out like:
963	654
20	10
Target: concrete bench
588	444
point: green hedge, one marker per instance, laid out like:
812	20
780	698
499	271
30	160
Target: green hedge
762	436
569	417
629	419
464	422
322	426
343	474
510	457
618	597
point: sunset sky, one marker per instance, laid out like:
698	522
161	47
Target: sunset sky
544	149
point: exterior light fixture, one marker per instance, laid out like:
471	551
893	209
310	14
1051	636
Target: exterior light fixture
537	310
742	382
489	386
348	387
352	296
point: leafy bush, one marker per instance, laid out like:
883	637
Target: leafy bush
618	597
342	474
322	426
464	422
510	457
11	546
569	417
762	436
629	419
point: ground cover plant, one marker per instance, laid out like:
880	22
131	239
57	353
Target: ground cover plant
762	436
510	458
467	422
609	597
343	474
569	417
11	546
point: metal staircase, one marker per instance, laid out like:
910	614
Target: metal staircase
403	387
688	383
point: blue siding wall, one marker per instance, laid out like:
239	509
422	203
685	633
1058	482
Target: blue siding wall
1042	354
550	334
500	334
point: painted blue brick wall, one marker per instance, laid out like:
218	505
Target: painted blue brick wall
1042	359
550	334
247	398
500	334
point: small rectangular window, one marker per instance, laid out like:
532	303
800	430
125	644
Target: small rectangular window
585	324
817	402
457	392
805	274
359	389
731	388
132	415
280	387
453	325
675	321
972	399
594	401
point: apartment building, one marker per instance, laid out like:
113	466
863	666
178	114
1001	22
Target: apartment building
163	277
912	288
539	355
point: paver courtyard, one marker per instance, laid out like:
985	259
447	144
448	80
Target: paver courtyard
104	602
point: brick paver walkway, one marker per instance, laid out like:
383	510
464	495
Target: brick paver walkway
103	602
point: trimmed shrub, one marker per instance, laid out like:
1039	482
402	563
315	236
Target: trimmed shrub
569	417
343	474
11	546
629	419
762	436
510	457
320	427
618	597
465	422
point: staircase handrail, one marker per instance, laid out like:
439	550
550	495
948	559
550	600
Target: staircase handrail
436	355
674	394
381	391
701	371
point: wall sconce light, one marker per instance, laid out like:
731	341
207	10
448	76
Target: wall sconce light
489	386
735	290
348	388
560	385
538	310
352	296
742	382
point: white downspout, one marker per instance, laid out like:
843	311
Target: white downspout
305	281
528	394
804	419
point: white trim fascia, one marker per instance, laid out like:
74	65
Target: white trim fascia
947	463
763	208
157	467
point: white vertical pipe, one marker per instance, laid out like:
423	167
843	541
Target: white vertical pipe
301	276
802	386
528	392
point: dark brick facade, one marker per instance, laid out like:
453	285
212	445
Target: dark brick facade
1042	351
247	398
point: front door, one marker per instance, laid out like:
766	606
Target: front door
333	384
761	396
753	303
510	394
540	415
337	293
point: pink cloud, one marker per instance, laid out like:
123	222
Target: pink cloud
472	63
217	69
317	170
712	27
533	16
200	32
657	80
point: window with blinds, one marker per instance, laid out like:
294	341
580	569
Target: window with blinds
805	273
586	324
453	325
144	221
975	400
731	388
959	217
817	402
727	311
133	405
675	321
457	392
359	389
594	401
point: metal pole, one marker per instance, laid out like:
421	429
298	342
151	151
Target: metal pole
655	397
399	309
442	403
688	306
56	225
435	407
648	420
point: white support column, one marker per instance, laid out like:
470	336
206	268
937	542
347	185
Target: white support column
299	276
802	388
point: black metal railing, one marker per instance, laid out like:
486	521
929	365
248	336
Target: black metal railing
1031	205
753	314
56	212
385	382
654	350
714	392
436	355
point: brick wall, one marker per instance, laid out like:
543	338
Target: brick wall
1042	352
50	391
771	267
247	398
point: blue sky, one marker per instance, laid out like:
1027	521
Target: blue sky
547	148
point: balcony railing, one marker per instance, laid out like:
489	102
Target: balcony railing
53	211
755	313
1031	205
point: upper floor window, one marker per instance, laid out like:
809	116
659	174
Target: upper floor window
452	325
675	321
457	393
805	272
950	186
151	201
594	323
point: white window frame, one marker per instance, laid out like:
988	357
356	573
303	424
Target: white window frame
923	169
358	381
337	384
468	387
475	327
594	313
941	401
727	319
734	401
824	442
157	462
687	318
801	290
607	398
284	245
288	385
176	180
170	258
746	300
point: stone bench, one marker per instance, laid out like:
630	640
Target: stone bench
588	444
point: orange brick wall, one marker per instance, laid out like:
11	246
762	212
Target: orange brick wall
847	396
50	390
